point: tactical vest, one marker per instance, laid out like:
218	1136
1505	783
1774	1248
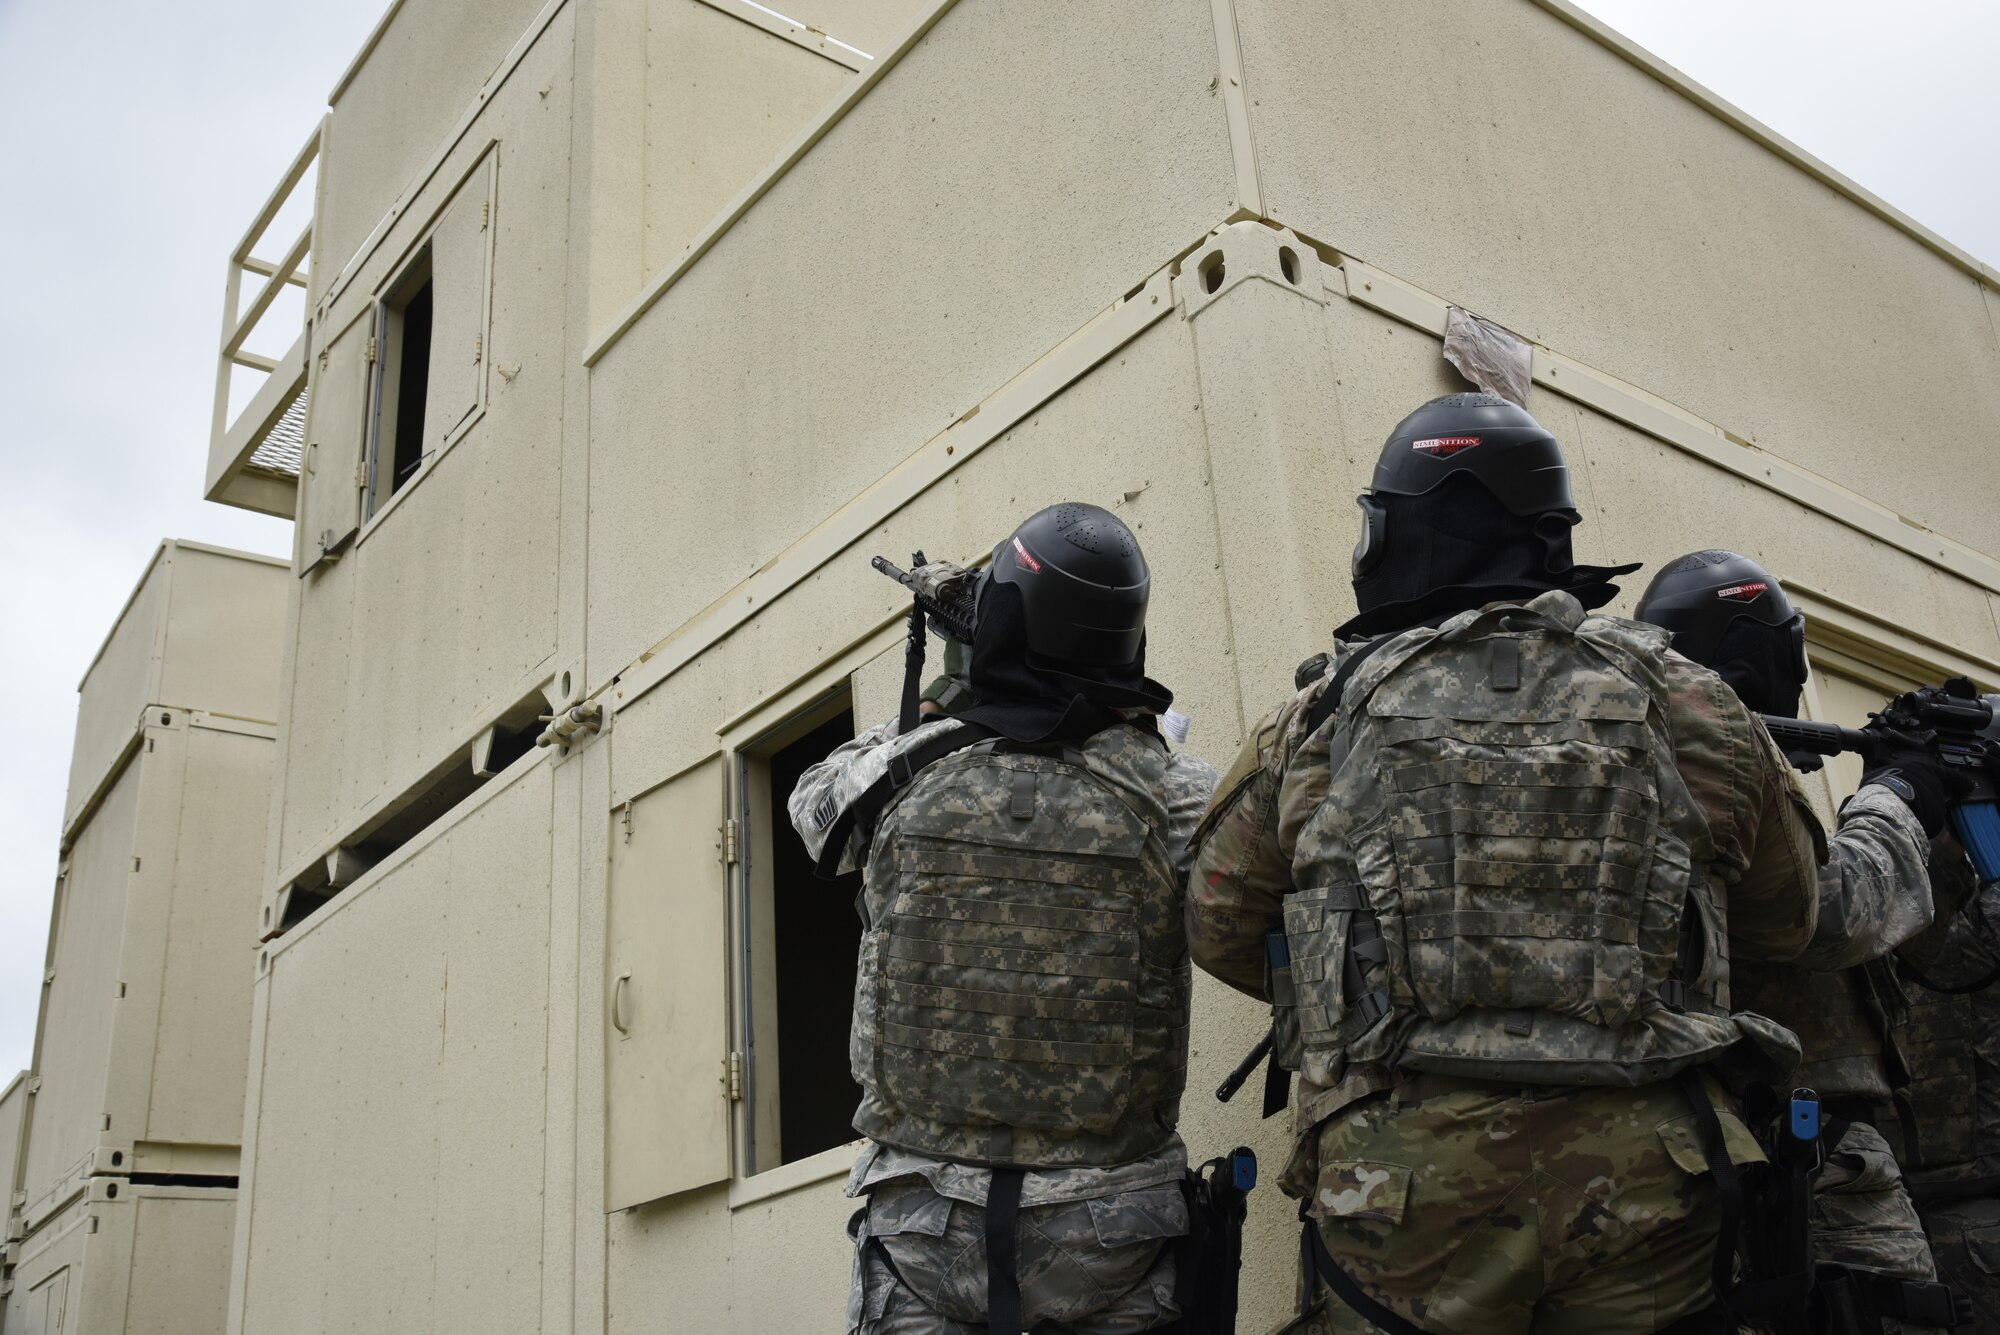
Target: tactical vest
1939	1038
1835	1016
1022	996
1501	876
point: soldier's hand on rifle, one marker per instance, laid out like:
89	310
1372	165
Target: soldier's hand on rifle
1907	763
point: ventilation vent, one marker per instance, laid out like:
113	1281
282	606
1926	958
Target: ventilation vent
1082	526
1714	556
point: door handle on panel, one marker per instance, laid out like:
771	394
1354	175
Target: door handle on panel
618	1002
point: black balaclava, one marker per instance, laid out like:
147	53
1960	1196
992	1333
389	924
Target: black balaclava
1028	698
1762	664
1456	547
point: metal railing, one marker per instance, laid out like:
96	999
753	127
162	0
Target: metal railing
253	461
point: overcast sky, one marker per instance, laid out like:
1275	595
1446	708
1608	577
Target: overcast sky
138	139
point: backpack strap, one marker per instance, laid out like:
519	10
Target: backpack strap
903	769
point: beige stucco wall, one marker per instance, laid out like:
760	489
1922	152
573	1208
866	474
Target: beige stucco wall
416	673
201	630
963	303
390	112
896	286
149	1260
141	1049
420	1003
13	1106
1544	182
89	930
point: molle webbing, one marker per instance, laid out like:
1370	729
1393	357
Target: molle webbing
1020	1003
1505	836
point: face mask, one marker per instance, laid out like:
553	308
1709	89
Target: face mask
1764	665
1455	548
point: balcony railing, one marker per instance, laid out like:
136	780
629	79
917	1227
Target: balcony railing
253	460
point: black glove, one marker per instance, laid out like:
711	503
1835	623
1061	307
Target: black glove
1908	766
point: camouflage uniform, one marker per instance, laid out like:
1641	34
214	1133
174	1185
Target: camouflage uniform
1952	1042
1101	1202
1874	894
1577	1201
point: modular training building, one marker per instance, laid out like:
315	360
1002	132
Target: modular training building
632	329
122	1177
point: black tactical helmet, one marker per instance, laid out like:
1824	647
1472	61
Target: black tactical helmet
1470	504
1083	584
1481	436
1728	614
1701	594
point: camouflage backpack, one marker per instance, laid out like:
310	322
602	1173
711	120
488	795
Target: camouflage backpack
1507	876
1022	996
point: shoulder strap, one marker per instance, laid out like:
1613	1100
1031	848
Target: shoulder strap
875	799
1329	699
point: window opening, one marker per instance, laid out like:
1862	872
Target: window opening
403	368
419	807
413	371
802	937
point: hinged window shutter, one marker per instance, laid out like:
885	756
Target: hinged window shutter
337	413
666	981
460	278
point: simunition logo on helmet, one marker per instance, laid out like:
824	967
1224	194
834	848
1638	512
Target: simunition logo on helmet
1443	447
1743	593
1026	557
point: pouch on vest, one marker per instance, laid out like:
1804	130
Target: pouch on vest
1013	988
1286	1048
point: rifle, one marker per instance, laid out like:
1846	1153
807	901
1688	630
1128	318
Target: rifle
947	620
1959	724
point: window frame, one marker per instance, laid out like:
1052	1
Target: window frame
386	390
401	283
747	740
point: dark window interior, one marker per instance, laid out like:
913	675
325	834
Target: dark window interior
818	938
413	377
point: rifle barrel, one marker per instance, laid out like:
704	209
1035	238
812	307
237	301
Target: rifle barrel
1821	739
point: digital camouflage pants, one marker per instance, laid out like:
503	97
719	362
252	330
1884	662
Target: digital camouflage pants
1091	1267
1486	1210
1965	1239
1862	1217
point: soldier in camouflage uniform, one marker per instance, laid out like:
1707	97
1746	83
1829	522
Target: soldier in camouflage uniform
1729	614
1021	1004
1952	1038
1508	847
